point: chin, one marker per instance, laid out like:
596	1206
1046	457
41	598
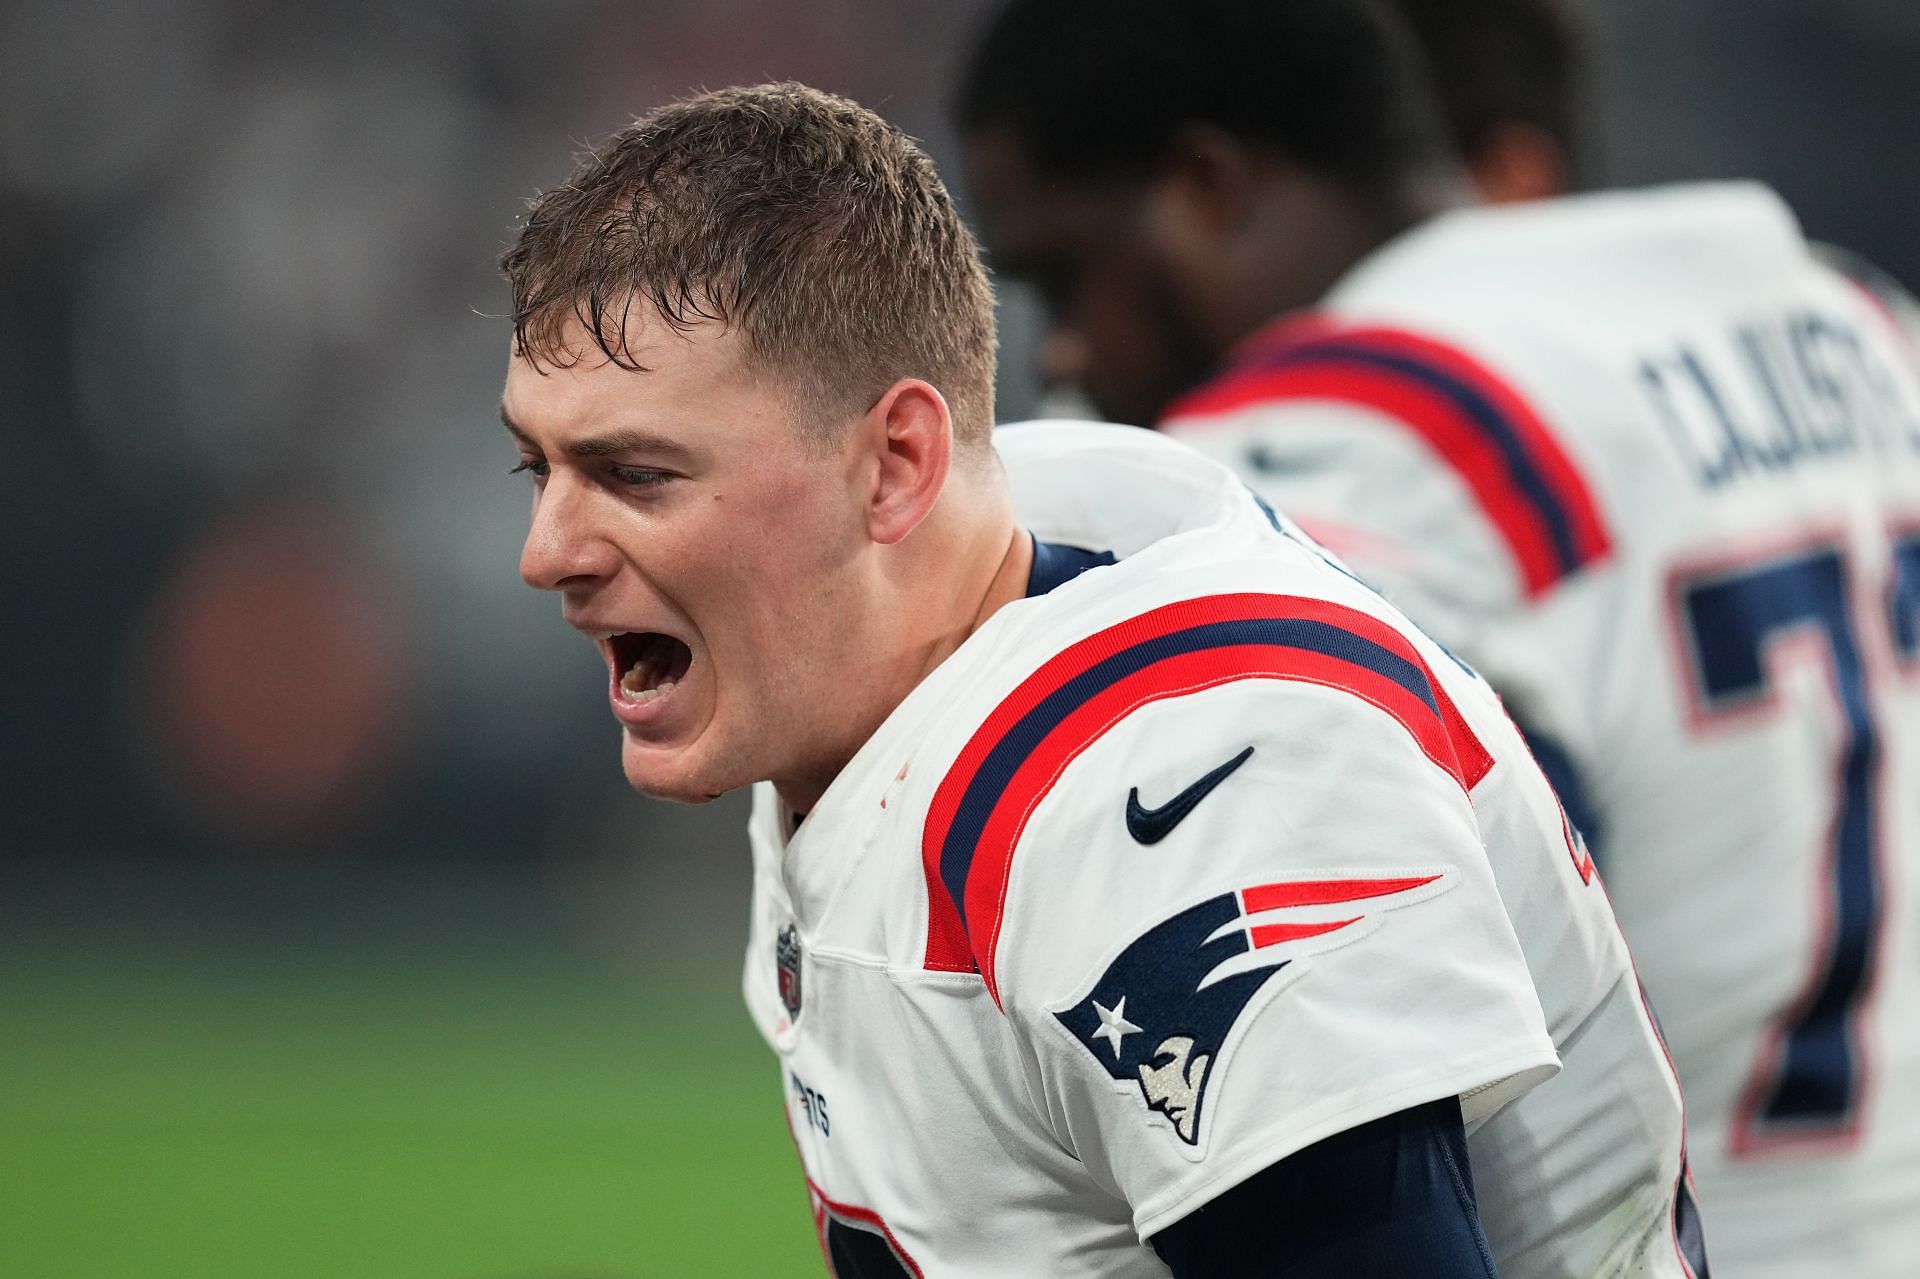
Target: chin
674	776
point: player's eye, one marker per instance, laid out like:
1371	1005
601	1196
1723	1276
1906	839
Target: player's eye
533	466
638	477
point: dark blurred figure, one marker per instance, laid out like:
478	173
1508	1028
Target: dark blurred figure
1642	457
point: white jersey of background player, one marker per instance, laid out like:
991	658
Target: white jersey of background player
1656	472
1172	871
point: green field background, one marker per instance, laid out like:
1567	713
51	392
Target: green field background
313	1117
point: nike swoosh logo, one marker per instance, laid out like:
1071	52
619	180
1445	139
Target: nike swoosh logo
1151	825
1270	461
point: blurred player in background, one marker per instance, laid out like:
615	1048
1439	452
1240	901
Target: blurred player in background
1640	457
1135	892
1510	75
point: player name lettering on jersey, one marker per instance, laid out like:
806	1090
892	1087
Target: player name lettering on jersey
1794	388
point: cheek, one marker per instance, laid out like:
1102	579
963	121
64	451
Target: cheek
1123	350
777	578
1112	307
1115	332
794	533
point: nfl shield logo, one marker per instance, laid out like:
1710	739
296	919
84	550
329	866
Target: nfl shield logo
786	957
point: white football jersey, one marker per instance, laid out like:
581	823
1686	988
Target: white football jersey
1180	867
1655	471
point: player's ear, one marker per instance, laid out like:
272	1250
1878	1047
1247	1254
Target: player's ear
1205	190
1520	162
910	434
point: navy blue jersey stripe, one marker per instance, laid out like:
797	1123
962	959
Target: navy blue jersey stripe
1485	416
1012	750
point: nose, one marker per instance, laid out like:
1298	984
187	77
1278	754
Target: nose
1063	356
563	550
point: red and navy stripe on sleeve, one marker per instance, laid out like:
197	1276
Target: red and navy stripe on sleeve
1519	475
1019	751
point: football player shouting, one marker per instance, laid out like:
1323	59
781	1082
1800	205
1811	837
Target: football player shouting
1135	891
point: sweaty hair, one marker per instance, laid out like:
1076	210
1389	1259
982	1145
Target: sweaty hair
1498	62
806	222
1092	87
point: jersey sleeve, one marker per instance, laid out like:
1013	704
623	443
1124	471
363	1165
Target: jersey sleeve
1248	917
1448	487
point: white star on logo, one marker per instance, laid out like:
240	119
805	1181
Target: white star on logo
1114	1025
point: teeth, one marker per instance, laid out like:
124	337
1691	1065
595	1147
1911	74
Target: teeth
649	665
631	690
602	635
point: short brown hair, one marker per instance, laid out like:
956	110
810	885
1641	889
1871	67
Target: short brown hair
813	225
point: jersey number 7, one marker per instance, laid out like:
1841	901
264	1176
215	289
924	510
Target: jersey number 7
1806	1084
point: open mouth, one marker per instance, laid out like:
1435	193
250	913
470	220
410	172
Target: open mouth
648	665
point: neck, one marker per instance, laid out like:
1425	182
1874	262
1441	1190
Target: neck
1001	559
947	586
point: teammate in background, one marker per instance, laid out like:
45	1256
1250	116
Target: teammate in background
1135	892
1639	457
1509	76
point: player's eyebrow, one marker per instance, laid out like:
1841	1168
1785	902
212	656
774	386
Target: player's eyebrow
621	441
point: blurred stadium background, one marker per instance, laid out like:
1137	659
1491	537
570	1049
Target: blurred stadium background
330	941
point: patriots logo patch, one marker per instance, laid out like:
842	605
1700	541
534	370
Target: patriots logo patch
1161	1013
